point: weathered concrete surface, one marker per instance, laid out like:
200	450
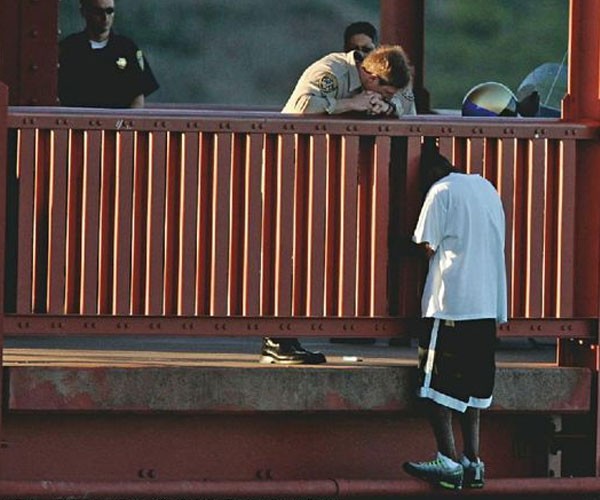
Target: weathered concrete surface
263	388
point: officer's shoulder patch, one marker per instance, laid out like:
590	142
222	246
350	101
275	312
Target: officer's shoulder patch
140	59
328	83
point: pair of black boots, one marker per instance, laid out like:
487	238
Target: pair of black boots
288	351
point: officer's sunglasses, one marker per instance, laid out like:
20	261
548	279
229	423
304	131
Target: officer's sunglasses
99	11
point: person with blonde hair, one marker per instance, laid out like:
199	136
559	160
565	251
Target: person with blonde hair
379	83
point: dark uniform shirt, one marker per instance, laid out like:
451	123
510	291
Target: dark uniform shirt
110	77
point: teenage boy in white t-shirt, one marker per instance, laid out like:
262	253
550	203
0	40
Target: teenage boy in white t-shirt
461	229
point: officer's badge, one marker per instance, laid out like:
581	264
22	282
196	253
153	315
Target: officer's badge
328	83
121	63
140	59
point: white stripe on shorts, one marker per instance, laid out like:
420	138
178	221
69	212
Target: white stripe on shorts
431	353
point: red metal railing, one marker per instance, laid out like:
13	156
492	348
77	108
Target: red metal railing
248	215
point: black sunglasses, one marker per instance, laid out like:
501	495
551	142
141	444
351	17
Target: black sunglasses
98	11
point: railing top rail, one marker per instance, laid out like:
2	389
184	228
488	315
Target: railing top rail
259	121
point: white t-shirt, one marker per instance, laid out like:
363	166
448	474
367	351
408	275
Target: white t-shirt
463	221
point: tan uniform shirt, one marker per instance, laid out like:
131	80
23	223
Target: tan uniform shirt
334	77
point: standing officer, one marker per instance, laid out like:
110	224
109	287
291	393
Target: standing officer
99	68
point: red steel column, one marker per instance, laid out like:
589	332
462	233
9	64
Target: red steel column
3	140
403	23
28	44
583	104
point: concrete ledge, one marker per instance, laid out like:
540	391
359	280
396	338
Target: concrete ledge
275	389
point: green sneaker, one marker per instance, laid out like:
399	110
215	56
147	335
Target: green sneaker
438	472
473	473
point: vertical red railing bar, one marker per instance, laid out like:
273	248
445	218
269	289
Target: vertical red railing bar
123	224
284	214
155	226
57	220
90	222
236	225
172	221
366	165
107	220
460	153
506	189
446	146
566	223
490	161
40	210
549	257
519	230
204	222
300	225
475	156
268	225
332	235
25	172
252	225
74	220
348	212
379	257
221	214
188	236
535	228
315	258
139	221
410	279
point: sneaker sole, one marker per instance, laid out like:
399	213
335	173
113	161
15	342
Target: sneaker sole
435	482
449	486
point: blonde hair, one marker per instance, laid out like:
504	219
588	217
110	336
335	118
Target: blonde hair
390	64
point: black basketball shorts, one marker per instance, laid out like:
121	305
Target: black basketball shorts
457	362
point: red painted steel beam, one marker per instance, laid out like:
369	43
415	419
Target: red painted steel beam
403	23
152	119
42	324
3	177
28	43
9	26
582	104
328	488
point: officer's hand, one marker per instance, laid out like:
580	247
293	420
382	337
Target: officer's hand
363	101
379	106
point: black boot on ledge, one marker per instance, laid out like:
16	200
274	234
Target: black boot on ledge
286	351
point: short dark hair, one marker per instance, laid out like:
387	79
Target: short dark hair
360	27
433	165
84	3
